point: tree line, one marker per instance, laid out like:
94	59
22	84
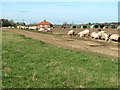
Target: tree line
11	23
7	23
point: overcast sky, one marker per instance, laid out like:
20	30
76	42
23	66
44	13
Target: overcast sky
60	12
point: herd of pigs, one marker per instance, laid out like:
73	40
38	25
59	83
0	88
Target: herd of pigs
35	28
96	35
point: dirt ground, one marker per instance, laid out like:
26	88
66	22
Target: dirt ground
65	31
108	48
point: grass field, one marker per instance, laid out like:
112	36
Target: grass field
29	63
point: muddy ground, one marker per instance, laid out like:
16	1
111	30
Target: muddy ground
108	48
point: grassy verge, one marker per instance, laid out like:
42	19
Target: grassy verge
29	63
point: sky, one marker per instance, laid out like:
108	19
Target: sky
60	12
60	0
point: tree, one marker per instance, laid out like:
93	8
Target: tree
12	23
89	23
33	24
65	23
22	24
5	23
119	23
0	23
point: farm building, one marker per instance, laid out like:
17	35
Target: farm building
95	26
113	26
118	27
73	27
105	27
102	25
84	26
44	24
63	27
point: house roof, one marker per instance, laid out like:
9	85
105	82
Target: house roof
44	23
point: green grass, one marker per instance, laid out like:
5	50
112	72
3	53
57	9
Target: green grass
29	63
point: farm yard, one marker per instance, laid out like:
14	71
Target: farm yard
34	59
60	30
65	31
60	44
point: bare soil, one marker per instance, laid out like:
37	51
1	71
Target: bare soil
108	48
65	31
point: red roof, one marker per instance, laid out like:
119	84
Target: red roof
44	23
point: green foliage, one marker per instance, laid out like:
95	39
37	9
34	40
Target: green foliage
29	63
22	24
65	23
6	23
33	24
12	23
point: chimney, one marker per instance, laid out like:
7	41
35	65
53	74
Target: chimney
44	20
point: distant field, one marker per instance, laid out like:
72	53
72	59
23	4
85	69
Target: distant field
29	63
59	30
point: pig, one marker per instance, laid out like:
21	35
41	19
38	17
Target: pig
114	37
84	33
105	36
71	33
94	35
